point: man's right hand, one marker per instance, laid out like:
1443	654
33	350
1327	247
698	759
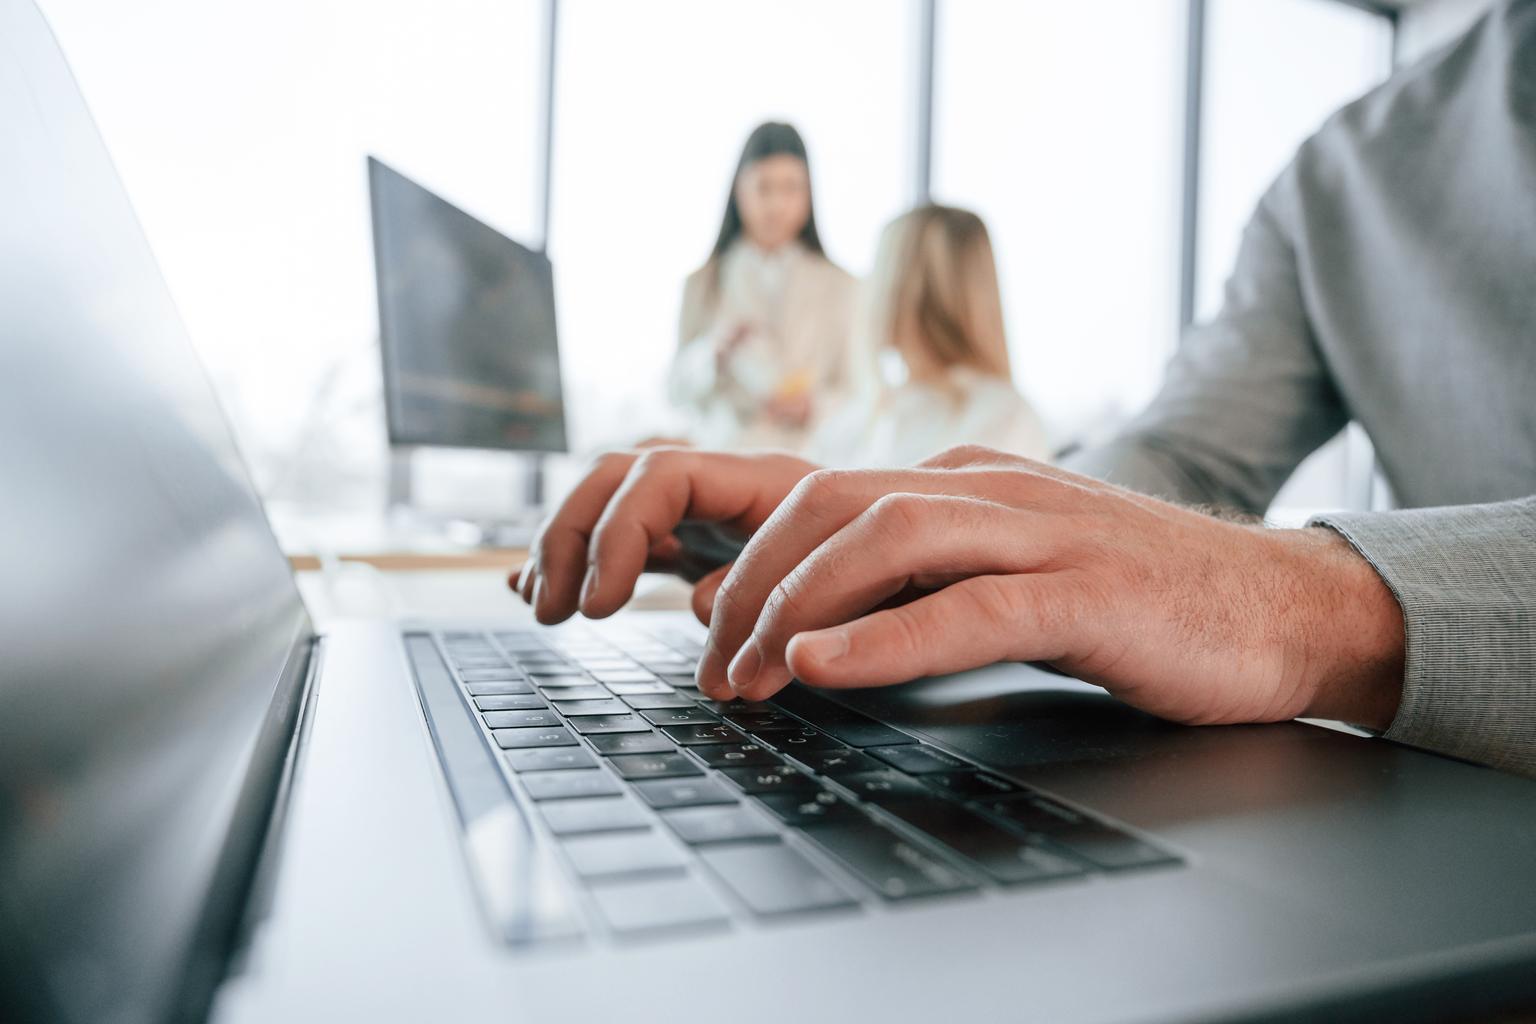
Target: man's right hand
622	514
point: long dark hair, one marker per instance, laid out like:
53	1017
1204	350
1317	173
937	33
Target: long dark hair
774	138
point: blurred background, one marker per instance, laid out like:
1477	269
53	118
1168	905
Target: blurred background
1114	150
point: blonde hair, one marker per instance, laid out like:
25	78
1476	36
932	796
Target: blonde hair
935	285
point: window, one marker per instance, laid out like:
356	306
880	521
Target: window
240	133
1060	125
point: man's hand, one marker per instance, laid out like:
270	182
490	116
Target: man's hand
868	578
618	523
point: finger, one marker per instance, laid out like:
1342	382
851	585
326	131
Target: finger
899	540
704	592
664	487
560	549
822	504
979	621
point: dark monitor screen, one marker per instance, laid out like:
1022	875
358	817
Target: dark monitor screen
152	641
466	324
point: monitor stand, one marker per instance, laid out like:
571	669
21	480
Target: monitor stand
514	529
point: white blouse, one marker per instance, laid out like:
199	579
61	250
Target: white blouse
798	306
905	424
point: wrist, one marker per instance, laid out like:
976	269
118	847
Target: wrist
1347	634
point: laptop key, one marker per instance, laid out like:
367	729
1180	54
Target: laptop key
778	779
609	723
883	786
800	809
547	681
592	814
650	701
490	675
568	785
1092	840
734	755
665	793
654	766
520	719
503	686
696	735
589	692
511	702
917	759
851	727
699	825
548	759
772	879
585	708
679	716
663	904
513	739
792	741
637	689
970	785
1001	853
886	862
838	763
632	675
616	854
631	743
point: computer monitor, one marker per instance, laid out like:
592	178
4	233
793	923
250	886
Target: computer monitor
466	325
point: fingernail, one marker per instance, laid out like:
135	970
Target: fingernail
745	666
589	585
825	646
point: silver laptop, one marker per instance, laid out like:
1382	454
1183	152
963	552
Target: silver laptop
208	811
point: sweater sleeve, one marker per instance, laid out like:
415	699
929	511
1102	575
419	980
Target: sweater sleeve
1466	579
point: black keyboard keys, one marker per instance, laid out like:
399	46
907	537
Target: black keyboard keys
694	715
610	744
805	808
837	763
883	786
592	814
771	878
970	785
777	779
734	755
506	686
549	759
889	864
654	766
1092	840
511	702
521	719
565	785
598	724
690	735
666	793
517	739
1001	853
698	825
915	759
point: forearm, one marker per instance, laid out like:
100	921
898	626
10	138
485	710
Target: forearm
1465	578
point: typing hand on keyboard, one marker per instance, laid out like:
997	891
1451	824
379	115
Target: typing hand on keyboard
988	557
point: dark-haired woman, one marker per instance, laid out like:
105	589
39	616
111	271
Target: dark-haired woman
763	337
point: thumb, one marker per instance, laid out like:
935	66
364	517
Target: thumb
978	621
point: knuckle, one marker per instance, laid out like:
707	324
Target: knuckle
901	515
964	455
817	487
659	461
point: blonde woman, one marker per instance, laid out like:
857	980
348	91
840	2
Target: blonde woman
763	337
932	351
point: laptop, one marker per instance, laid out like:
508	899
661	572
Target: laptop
210	810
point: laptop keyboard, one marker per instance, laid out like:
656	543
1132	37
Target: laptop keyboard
672	811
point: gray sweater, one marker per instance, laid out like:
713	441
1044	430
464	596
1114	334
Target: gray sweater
1389	277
